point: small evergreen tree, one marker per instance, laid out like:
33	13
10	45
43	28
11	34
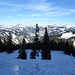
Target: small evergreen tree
33	54
22	54
23	45
73	51
5	45
35	44
67	48
9	45
22	51
45	48
36	41
1	46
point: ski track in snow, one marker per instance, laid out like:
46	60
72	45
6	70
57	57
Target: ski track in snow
60	64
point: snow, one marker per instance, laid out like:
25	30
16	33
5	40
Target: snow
14	39
74	43
67	35
60	64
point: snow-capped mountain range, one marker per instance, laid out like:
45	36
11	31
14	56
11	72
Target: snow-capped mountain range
28	31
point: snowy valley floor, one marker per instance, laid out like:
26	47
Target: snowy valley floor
60	64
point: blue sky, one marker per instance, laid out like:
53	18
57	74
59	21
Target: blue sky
37	11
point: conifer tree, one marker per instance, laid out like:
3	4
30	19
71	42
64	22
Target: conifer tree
33	54
36	44
36	41
67	48
46	39
9	45
5	45
73	51
22	54
23	45
45	48
22	51
1	46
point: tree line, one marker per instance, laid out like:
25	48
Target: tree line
43	46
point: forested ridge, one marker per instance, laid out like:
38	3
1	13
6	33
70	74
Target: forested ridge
44	46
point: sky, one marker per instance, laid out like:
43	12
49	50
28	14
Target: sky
37	11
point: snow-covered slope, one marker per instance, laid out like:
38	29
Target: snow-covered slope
60	64
28	31
67	35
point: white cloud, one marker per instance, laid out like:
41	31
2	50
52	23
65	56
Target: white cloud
60	12
41	6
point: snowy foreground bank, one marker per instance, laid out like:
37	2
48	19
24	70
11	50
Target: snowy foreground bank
60	64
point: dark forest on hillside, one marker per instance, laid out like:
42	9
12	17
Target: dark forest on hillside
43	46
